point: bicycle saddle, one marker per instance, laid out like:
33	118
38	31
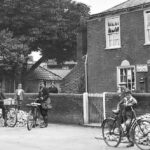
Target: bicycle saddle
115	111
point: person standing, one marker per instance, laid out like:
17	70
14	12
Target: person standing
53	88
43	99
19	95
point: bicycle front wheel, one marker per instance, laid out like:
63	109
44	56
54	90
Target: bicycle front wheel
11	117
111	132
30	120
142	134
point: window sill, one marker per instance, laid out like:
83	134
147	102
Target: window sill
145	44
112	48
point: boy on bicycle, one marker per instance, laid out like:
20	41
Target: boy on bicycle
124	110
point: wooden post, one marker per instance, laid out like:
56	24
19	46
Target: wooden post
85	108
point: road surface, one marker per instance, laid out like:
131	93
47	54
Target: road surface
55	137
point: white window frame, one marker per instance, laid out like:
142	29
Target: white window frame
107	36
118	75
147	40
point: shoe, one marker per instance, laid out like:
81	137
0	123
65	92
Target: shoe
5	124
43	125
46	124
130	145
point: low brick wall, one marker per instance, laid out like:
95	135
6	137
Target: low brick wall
67	108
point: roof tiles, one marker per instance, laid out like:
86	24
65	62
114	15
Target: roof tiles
129	4
41	73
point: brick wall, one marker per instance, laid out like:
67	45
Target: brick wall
74	81
102	63
67	108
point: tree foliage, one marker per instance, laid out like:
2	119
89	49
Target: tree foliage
14	52
46	25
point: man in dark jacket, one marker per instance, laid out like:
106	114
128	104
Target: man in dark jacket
53	88
43	97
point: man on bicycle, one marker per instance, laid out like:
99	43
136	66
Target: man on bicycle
124	111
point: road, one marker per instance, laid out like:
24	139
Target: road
55	137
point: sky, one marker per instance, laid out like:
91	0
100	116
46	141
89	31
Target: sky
96	6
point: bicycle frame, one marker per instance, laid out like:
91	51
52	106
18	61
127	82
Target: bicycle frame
33	111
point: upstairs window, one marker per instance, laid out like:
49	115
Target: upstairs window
112	32
147	26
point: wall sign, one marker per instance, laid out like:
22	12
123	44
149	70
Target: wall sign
148	61
142	68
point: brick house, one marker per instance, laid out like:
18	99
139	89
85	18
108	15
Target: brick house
118	47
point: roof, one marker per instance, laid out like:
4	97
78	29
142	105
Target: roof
41	73
61	72
129	4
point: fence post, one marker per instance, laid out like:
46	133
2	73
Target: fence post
104	105
85	108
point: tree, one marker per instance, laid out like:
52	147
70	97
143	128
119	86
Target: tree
50	25
14	53
46	25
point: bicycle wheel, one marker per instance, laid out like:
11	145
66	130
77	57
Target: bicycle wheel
111	132
142	134
11	117
30	120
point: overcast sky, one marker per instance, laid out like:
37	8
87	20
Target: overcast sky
98	6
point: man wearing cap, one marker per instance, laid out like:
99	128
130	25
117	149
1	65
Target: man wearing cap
125	112
43	97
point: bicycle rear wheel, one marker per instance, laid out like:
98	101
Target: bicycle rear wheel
30	120
111	132
142	134
11	117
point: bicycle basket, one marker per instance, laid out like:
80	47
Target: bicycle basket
9	101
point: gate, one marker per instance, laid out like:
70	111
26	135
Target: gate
95	106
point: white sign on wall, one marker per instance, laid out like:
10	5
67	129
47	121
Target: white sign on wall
142	68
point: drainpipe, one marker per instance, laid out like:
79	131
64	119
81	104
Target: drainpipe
86	73
85	97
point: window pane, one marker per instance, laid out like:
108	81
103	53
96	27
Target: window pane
147	16
113	35
127	77
148	19
148	34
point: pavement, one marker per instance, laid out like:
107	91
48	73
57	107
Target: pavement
54	137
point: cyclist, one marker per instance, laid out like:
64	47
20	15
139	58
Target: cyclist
124	111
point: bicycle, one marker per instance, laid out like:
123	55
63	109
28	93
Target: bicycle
10	119
113	132
33	114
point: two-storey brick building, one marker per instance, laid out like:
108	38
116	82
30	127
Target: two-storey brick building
118	47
